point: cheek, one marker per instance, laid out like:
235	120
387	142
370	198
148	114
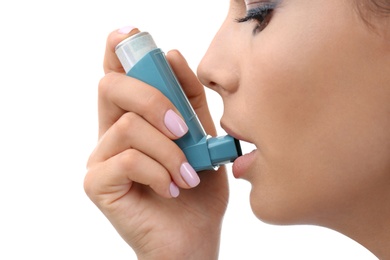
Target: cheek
286	119
301	84
315	120
287	102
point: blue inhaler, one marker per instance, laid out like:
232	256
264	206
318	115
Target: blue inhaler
141	59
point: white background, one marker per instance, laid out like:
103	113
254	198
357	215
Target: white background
50	64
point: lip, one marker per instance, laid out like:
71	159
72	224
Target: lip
242	164
232	133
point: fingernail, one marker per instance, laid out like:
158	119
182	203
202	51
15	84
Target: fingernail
126	29
174	190
175	123
189	175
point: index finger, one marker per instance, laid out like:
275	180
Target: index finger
111	63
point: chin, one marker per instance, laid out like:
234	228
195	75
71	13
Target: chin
271	209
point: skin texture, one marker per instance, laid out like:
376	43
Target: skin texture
129	179
313	82
314	87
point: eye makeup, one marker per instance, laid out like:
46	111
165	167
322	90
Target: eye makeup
248	3
261	13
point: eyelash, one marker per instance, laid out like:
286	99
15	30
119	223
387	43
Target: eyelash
259	14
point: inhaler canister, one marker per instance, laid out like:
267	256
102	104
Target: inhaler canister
142	59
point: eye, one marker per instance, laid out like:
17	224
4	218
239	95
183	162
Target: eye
261	15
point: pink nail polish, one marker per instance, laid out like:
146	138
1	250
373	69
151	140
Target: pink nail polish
189	175
126	29
174	190
175	123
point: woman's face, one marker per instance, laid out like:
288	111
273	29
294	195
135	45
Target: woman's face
309	86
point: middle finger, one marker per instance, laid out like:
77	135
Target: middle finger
132	131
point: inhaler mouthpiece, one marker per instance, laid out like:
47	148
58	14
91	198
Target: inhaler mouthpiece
141	59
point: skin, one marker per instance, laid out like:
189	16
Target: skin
129	179
319	100
314	86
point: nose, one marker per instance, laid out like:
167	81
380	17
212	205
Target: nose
219	70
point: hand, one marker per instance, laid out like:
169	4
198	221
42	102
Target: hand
135	170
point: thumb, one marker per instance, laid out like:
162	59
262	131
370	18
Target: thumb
111	63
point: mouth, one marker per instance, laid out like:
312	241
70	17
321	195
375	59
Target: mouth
246	145
244	163
249	152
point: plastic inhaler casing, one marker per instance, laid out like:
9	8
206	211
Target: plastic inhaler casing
141	59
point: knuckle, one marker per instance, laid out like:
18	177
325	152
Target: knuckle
127	122
128	159
154	101
111	40
89	178
154	97
88	184
103	85
89	162
106	83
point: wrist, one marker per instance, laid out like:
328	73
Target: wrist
203	245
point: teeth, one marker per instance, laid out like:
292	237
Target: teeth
247	147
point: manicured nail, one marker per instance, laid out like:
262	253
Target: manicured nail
189	175
126	29
175	123
174	190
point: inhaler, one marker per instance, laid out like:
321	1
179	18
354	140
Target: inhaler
141	59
